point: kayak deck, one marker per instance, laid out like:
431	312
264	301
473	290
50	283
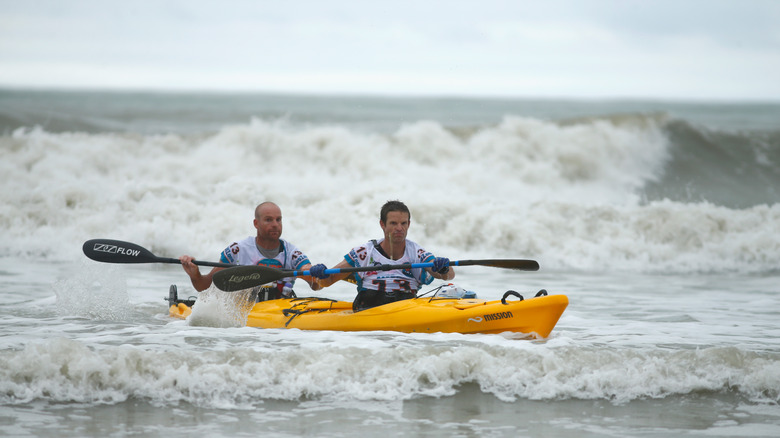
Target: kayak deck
535	316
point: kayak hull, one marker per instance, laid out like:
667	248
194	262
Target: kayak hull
535	317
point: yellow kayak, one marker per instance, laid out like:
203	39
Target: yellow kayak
535	316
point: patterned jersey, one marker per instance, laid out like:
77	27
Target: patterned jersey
403	280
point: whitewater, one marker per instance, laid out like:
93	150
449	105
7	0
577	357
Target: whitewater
659	220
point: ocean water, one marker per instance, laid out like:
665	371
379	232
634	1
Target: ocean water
659	220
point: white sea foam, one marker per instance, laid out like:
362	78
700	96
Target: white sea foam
398	368
563	193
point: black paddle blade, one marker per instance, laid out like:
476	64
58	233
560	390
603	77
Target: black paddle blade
516	264
117	251
244	277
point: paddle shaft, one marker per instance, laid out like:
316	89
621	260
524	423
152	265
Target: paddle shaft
521	265
117	251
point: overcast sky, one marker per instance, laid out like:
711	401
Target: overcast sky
661	49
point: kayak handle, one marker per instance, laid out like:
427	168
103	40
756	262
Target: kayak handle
512	293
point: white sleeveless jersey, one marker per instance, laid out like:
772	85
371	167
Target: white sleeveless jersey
404	280
245	252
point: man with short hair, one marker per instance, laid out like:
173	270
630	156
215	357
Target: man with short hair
267	248
381	287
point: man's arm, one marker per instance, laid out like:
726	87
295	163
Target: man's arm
199	282
313	283
441	269
333	278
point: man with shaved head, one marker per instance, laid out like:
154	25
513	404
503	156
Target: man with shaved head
267	248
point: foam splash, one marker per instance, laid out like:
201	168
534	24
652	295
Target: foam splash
216	308
94	291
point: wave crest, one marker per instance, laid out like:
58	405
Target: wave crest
67	371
